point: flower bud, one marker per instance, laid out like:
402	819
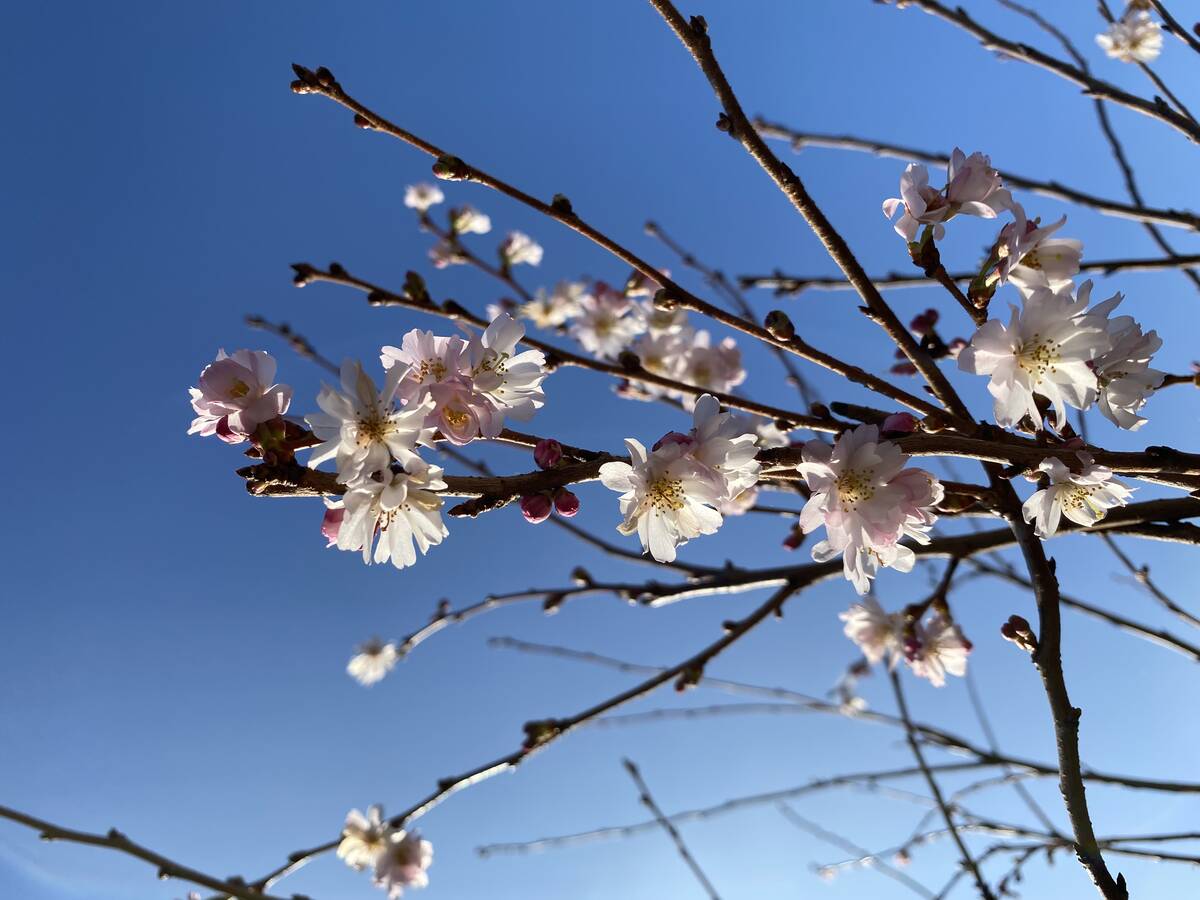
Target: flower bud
898	423
536	508
794	539
923	323
1018	630
547	453
779	325
331	524
673	437
566	503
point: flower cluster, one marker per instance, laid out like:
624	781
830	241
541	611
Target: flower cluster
1055	347
1084	497
398	858
674	491
607	322
932	647
1134	37
867	500
972	188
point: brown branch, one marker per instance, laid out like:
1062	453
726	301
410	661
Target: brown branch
914	745
670	829
1173	25
786	285
1142	575
1137	211
693	34
1092	86
454	169
299	343
115	840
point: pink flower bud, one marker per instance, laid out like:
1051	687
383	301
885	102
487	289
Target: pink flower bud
904	368
332	523
955	347
899	423
547	453
536	508
566	503
674	437
226	433
923	323
794	539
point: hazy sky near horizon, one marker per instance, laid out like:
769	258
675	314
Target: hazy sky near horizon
172	654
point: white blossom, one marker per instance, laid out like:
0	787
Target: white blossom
364	838
373	661
1031	258
403	863
364	428
938	648
1134	37
387	516
771	435
1045	349
510	380
663	354
606	323
660	321
469	220
1084	497
973	188
520	248
1123	374
877	633
422	196
237	394
722	445
666	498
553	309
716	368
445	253
867	500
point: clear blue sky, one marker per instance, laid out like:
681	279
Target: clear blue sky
171	658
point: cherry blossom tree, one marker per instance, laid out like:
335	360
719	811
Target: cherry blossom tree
380	450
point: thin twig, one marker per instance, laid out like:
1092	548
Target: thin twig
669	827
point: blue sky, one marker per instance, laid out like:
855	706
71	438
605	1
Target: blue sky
171	660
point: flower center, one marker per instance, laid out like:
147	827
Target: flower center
457	418
1078	497
855	487
1039	356
665	494
372	430
240	389
431	367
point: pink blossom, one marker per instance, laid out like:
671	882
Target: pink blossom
236	395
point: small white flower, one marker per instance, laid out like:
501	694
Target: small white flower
724	447
663	354
1046	349
665	497
373	661
520	248
939	648
1031	258
1134	37
1123	373
444	253
1084	497
771	435
972	188
469	220
867	500
606	324
364	428
422	196
511	380
877	633
364	838
553	309
388	516
403	863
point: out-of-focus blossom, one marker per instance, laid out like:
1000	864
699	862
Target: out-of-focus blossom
1134	37
876	632
973	188
364	838
422	196
938	647
520	248
606	323
469	220
373	661
403	863
553	309
1123	374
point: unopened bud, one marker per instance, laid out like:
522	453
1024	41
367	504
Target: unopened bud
547	453
629	361
779	325
536	508
1018	630
450	168
664	301
898	423
923	323
566	503
819	411
794	539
